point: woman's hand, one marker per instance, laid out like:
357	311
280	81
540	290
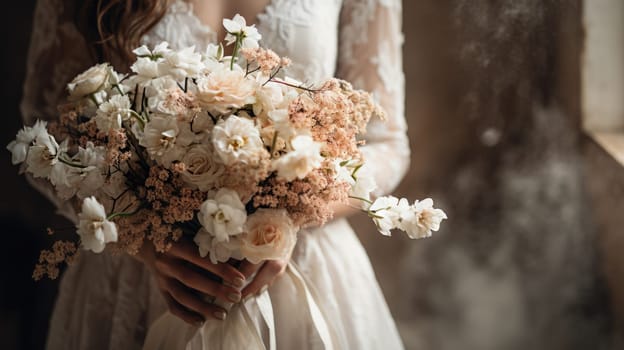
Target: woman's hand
267	272
184	279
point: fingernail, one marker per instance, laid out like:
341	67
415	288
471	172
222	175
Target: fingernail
238	282
220	315
234	297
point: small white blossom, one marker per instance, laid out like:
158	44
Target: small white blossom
421	218
237	139
304	157
93	227
183	63
384	214
224	215
364	182
220	251
238	26
150	64
23	140
43	155
166	139
112	113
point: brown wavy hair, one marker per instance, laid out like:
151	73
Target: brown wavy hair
113	28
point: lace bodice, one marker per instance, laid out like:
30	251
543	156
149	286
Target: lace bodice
356	40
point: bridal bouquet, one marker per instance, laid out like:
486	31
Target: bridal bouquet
224	149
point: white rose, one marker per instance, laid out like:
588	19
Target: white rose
421	219
93	227
165	139
269	235
112	113
224	215
296	164
19	146
238	25
89	81
237	139
220	251
225	89
201	169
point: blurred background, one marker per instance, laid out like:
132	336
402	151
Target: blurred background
531	255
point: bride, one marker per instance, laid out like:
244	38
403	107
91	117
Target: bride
110	301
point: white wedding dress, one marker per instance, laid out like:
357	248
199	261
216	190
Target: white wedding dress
110	302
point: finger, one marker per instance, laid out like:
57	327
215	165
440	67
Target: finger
188	251
248	268
178	270
193	302
180	311
267	274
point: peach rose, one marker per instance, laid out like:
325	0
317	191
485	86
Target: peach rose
269	235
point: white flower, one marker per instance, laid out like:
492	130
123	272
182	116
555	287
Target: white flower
268	97
224	215
384	213
184	63
89	81
282	124
201	169
165	139
296	164
220	251
269	235
421	218
93	227
19	146
364	182
150	64
238	26
224	89
236	139
43	155
112	113
165	96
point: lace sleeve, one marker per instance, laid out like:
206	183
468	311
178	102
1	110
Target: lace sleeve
370	57
57	52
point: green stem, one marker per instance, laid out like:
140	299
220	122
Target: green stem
122	214
239	39
362	199
138	117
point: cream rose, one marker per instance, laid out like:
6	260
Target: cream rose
89	81
201	169
237	139
225	89
269	235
